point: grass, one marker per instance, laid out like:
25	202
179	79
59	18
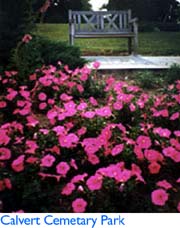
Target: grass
150	43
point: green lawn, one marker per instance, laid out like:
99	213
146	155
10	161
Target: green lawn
150	43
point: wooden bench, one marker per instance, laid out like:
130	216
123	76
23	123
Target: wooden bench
102	24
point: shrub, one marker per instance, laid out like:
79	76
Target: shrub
148	79
119	153
158	26
173	74
32	55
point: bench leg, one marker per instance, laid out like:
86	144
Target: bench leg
135	44
129	45
71	40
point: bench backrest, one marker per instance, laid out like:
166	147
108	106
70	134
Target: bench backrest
100	21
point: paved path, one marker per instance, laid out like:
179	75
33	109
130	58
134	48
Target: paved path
134	62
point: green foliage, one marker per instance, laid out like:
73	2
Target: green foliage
92	88
148	80
173	74
27	57
146	10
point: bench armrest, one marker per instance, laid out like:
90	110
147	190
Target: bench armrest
133	20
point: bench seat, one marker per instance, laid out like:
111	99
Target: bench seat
104	35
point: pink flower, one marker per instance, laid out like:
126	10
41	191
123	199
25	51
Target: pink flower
81	131
62	168
32	160
73	164
32	121
94	182
79	205
79	178
80	88
172	153
26	38
163	132
117	149
177	133
69	105
153	155
132	107
178	207
104	112
177	98
42	106
175	116
52	114
18	164
123	176
84	77
135	170
92	145
143	142
85	70
93	101
55	149
19	211
50	101
118	105
4	139
69	140
65	97
32	77
175	143
7	183
126	98
96	64
159	197
26	110
169	151
93	159
31	146
89	114
25	94
47	161
44	131
82	106
68	189
42	96
154	168
138	152
163	113
12	94
5	153
3	104
164	184
178	180
60	130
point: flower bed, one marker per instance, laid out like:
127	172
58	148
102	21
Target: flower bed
72	143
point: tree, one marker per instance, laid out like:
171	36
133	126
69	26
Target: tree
58	12
15	20
147	10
